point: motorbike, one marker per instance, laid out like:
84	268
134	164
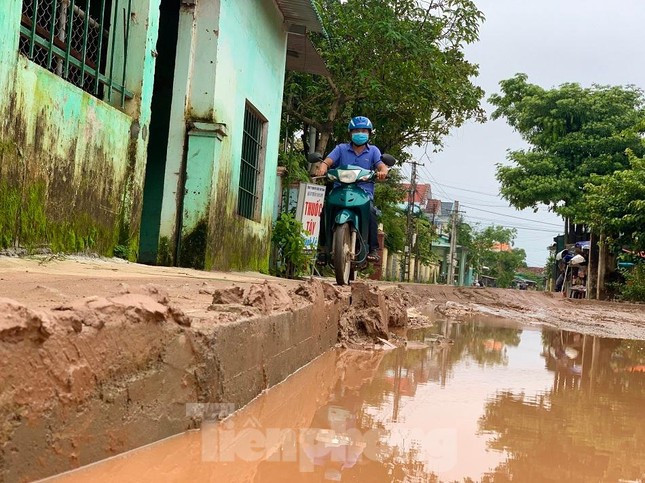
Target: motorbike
346	219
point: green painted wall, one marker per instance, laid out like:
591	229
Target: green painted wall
250	66
228	52
193	88
72	166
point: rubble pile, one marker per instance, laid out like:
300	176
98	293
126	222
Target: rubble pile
372	313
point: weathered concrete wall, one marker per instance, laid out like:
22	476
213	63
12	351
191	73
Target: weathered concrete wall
250	68
71	165
228	53
109	375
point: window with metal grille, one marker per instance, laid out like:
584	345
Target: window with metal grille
252	162
71	38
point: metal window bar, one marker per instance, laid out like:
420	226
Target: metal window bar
116	10
68	41
250	164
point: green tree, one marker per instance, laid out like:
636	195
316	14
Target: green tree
502	263
387	197
485	258
573	133
396	61
615	205
425	234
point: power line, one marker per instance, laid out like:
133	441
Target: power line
493	222
427	173
511	216
470	191
434	182
477	202
447	197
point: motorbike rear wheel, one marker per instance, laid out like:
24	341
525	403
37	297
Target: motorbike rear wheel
342	254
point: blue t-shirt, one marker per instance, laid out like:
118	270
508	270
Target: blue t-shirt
344	155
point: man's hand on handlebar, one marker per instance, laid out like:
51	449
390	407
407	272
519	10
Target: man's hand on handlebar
322	169
381	172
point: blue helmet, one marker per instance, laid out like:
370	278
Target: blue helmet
360	122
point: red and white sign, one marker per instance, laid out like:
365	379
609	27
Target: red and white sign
311	198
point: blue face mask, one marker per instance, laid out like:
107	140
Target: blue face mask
360	138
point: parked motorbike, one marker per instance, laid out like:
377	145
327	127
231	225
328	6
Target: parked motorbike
346	219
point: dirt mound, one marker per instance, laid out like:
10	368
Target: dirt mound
19	323
235	302
608	319
373	311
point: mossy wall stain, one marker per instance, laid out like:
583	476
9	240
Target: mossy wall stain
193	247
234	243
165	252
66	168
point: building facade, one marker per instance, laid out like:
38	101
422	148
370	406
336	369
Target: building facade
148	129
212	163
75	90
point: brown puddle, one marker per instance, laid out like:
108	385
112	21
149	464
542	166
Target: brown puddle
486	403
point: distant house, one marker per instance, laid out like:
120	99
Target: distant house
537	271
501	247
441	249
433	207
420	196
487	281
440	213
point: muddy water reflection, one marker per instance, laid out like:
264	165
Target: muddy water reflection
462	401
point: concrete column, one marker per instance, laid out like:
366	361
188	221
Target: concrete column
9	27
602	266
396	268
386	260
592	267
462	267
140	69
177	129
411	268
201	101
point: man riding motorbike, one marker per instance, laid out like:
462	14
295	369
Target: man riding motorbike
359	152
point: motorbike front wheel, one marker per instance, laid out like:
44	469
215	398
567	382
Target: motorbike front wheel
342	254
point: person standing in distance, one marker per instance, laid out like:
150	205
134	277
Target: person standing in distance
360	153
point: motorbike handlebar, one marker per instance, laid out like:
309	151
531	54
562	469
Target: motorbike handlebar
373	176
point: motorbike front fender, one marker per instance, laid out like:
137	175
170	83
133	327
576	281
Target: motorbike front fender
347	216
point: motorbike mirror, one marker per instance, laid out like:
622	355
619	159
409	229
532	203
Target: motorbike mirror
314	157
389	160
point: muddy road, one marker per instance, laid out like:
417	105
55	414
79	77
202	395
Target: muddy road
103	356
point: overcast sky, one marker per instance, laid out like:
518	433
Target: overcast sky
553	42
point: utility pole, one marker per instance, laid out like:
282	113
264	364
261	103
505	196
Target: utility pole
407	253
453	244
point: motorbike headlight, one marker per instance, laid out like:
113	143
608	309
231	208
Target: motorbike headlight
348	175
